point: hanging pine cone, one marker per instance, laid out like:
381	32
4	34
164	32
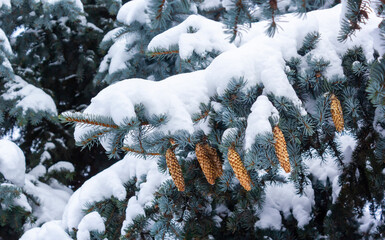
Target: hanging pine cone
174	169
239	169
336	111
215	159
205	163
281	149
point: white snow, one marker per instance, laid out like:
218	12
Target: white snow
51	200
207	36
323	169
327	23
378	118
32	98
91	222
23	202
62	166
111	35
368	222
119	99
77	3
110	182
258	120
116	57
259	60
132	11
49	231
209	4
328	168
38	171
348	144
12	162
6	3
283	198
3	38
6	47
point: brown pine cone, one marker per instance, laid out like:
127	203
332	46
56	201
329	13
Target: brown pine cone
239	169
175	169
336	111
281	149
205	163
215	160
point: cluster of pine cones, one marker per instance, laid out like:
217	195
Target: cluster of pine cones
212	167
211	164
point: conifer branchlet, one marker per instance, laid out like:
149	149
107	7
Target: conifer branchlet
175	169
336	111
281	149
239	169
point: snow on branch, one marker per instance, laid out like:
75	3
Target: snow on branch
111	182
29	97
195	34
260	60
133	11
12	162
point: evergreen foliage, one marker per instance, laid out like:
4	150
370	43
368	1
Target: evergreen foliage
66	51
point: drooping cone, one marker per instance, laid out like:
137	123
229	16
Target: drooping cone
205	162
336	111
215	159
174	169
239	169
281	149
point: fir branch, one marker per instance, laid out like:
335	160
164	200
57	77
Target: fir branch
376	85
357	13
128	149
205	111
160	9
309	43
270	10
87	119
161	13
163	53
90	138
238	14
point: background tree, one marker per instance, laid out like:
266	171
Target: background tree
48	67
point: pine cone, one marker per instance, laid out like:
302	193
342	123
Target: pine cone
239	169
215	160
281	149
336	111
174	169
205	163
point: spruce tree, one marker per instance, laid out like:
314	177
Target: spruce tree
245	119
236	120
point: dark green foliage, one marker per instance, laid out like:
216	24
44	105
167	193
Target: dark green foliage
56	50
376	86
309	43
12	216
60	56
